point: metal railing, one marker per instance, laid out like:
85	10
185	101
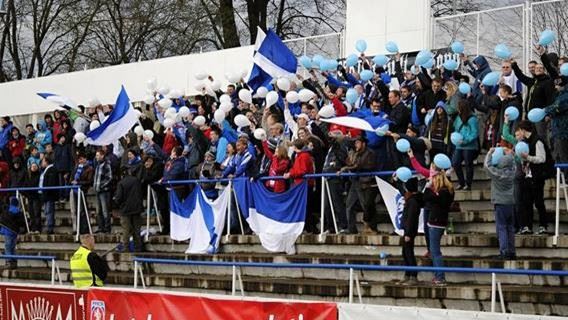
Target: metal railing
560	184
353	277
54	266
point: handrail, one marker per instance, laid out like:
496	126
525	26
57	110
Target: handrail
54	265
39	188
561	165
363	267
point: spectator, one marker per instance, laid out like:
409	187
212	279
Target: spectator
439	130
103	185
503	198
42	136
438	196
5	131
242	164
429	99
208	170
478	69
34	199
399	115
557	111
30	136
279	164
466	149
49	178
18	176
410	217
16	144
128	198
334	161
509	78
34	157
151	173
63	156
81	176
11	223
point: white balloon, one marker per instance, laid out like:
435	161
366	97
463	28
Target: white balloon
210	91
199	121
327	111
170	113
216	85
201	75
199	86
149	99
169	123
271	98
139	130
94	124
241	121
164	90
80	137
283	84
233	77
306	95
184	111
219	116
260	134
174	94
165	103
94	102
245	95
226	107
149	134
138	113
261	92
244	73
292	97
225	98
152	84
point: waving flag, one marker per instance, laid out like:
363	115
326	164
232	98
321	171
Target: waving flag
199	219
61	101
394	202
272	59
277	218
117	124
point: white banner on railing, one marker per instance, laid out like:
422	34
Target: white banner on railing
376	312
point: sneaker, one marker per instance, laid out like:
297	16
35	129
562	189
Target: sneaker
439	283
344	231
542	230
410	281
526	230
466	188
427	255
459	187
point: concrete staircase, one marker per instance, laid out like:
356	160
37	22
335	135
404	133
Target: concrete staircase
473	245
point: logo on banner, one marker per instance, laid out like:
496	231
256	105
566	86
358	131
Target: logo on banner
97	310
39	305
399	210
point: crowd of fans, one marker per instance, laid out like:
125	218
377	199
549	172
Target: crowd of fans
425	108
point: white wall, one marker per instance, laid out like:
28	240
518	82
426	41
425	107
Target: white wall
406	22
19	97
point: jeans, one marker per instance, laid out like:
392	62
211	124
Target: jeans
461	155
10	245
336	191
408	256
103	214
131	228
437	260
49	209
504	221
533	195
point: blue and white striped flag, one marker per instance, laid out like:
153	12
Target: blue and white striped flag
117	124
394	202
272	59
277	218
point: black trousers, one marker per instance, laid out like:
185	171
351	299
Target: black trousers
366	198
311	211
34	208
532	191
336	188
408	256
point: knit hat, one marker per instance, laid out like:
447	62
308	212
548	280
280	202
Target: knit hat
441	104
303	115
272	143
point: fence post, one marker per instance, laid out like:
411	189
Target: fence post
53	271
78	214
135	274
350	285
493	289
229	208
322	211
21	201
234	282
557	224
148	199
155	205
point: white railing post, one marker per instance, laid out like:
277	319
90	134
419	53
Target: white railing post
493	289
350	285
135	274
322	211
53	271
229	208
330	201
148	212
155	205
23	205
557	224
58	274
501	300
234	281
78	213
84	199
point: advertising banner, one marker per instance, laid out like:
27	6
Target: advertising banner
105	304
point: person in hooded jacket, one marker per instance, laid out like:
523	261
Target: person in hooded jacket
34	198
466	149
439	130
5	131
151	173
11	222
479	68
42	137
18	175
16	144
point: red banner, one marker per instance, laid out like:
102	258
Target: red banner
113	304
35	302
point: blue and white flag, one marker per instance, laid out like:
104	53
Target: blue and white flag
61	101
277	218
199	219
117	124
394	202
272	59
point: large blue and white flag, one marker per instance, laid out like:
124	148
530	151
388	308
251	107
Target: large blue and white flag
277	218
61	101
394	202
199	219
272	59
117	124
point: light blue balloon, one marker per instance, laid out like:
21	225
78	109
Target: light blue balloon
464	88
429	64
491	79
498	153
361	45
456	138
323	65
402	145
423	56
380	131
391	47
332	64
564	69
442	161
512	112
351	95
546	37
457	47
306	62
366	75
429	116
317	59
351	60
502	51
403	174
415	70
380	60
521	147
451	65
536	115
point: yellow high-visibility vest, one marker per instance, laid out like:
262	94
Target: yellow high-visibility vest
81	273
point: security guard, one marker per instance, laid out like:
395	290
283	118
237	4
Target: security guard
87	268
